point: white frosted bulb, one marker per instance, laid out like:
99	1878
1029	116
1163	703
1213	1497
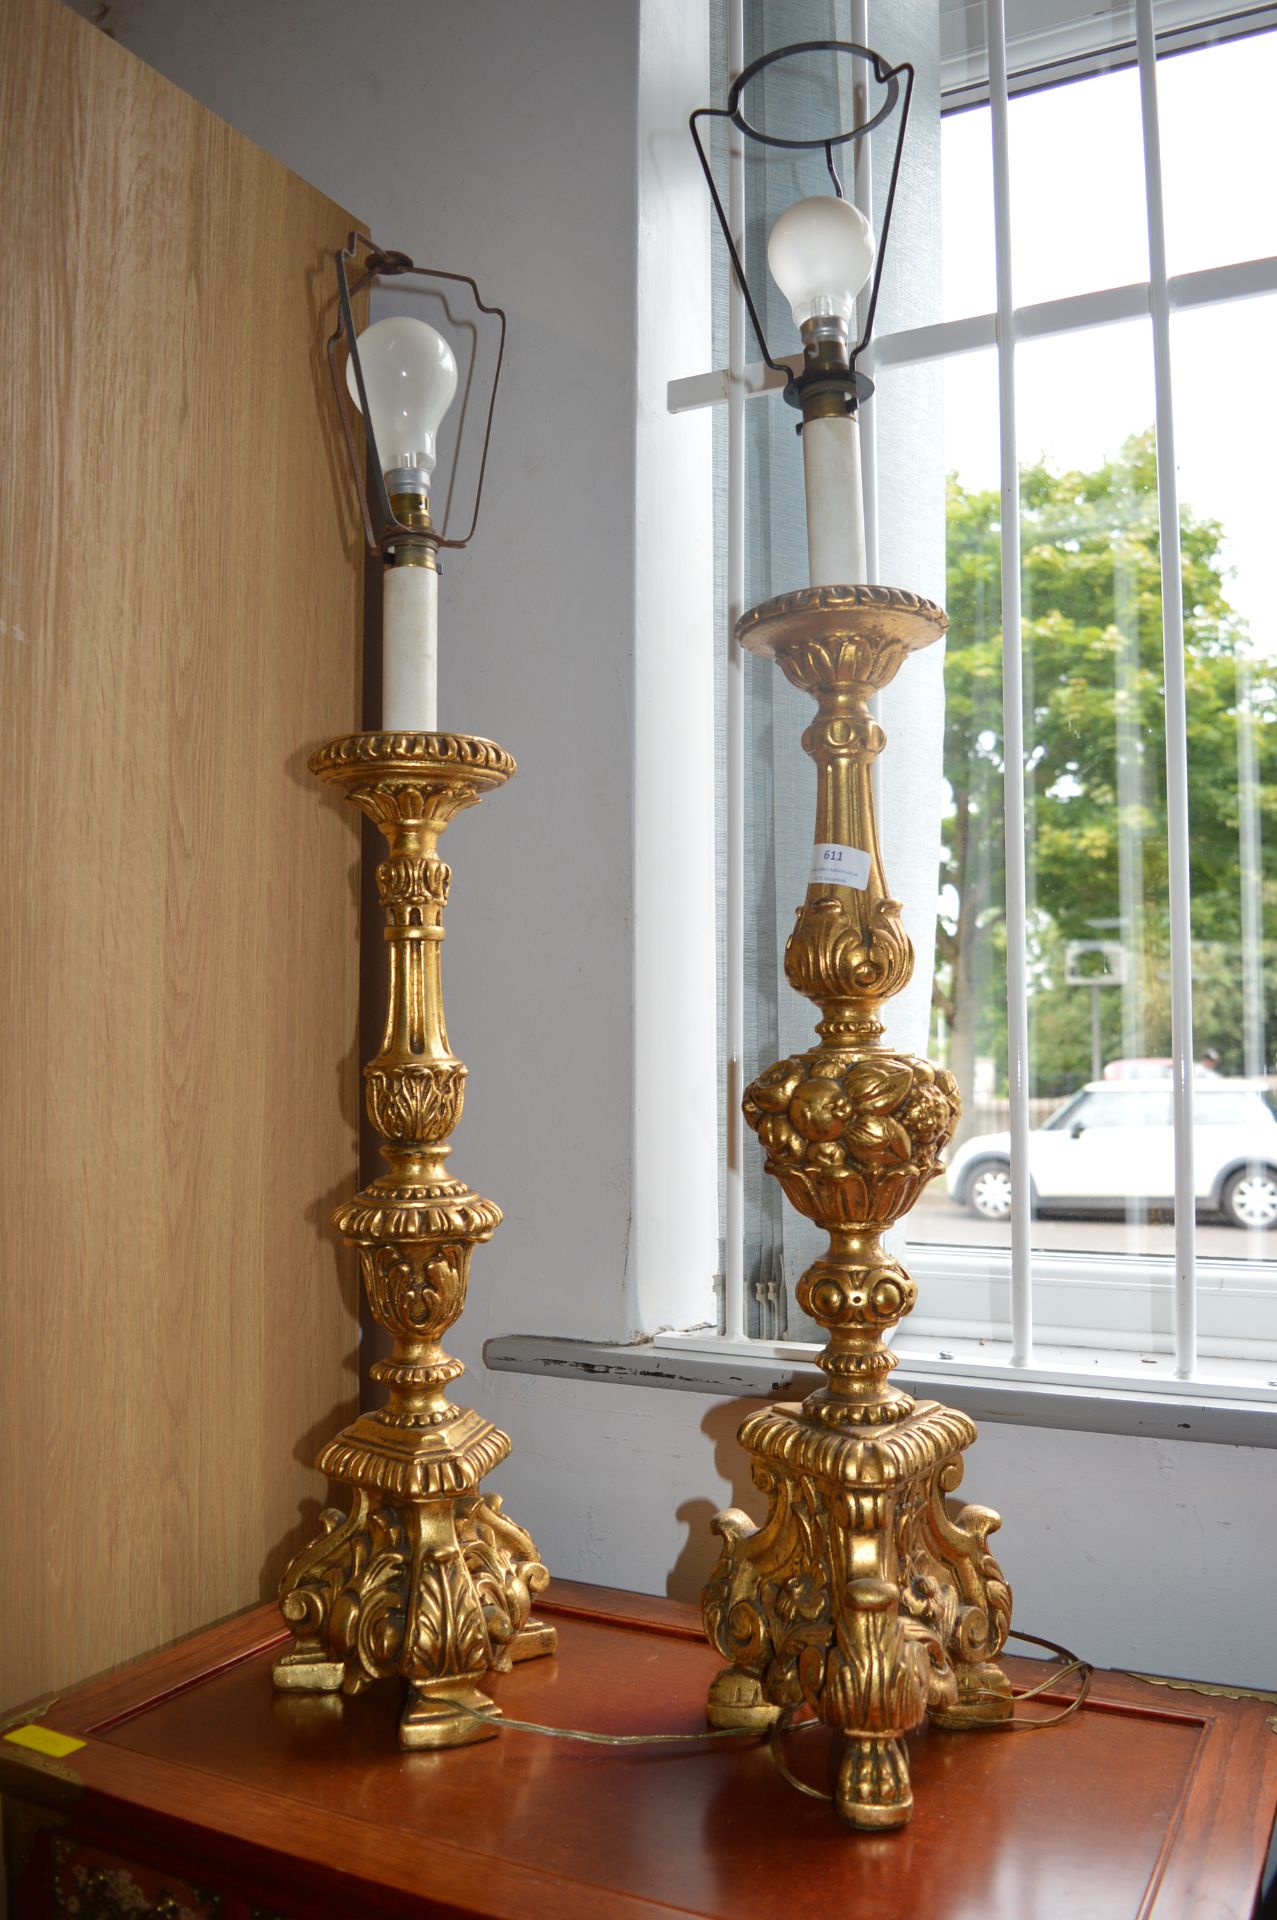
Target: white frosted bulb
821	252
411	376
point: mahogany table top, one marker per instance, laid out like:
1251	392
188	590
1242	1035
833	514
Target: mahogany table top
1150	1802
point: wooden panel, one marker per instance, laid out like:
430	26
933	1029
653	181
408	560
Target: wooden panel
1147	1804
179	619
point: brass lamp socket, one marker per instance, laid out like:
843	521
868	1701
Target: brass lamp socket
828	386
420	547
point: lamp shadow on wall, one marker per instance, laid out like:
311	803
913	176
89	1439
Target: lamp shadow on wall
345	1277
721	1425
339	1269
306	1527
346	1092
297	768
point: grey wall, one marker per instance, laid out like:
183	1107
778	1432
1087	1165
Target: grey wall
509	138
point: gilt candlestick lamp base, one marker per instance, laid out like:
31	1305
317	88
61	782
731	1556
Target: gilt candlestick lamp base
864	1594
424	1576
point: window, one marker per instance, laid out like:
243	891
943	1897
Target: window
1105	1109
1106	366
1236	1110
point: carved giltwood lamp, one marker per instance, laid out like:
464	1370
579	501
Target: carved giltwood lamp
423	1576
865	1594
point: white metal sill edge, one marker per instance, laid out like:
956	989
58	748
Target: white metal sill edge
1159	1409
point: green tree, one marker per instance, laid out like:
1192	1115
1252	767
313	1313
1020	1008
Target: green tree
1095	765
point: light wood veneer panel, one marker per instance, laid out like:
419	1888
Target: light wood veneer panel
179	621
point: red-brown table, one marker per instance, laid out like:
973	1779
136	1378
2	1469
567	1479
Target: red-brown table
200	1791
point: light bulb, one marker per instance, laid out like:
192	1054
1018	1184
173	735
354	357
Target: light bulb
410	376
821	252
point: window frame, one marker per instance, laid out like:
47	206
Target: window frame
671	1340
1155	298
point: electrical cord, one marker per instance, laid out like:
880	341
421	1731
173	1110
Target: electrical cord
786	1722
1071	1663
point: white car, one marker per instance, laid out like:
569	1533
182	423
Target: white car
1112	1142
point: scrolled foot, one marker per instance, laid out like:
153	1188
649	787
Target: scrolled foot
307	1670
457	1716
983	1698
736	1700
873	1791
533	1640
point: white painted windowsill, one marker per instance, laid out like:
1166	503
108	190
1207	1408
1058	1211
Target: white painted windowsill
1086	1390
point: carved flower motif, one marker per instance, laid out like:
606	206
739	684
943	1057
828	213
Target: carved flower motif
802	1597
927	1115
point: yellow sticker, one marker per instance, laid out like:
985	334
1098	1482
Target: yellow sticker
44	1740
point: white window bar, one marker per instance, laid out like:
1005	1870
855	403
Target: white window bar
1207	287
1176	716
734	931
866	418
863	195
1252	912
1012	709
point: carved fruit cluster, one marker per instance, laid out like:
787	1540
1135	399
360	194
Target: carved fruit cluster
853	1138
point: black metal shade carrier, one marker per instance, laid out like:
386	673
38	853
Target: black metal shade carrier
897	83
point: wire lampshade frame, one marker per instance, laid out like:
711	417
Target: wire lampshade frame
889	77
381	527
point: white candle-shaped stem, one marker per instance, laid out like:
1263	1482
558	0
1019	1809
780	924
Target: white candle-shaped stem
835	501
410	649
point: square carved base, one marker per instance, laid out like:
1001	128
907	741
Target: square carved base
435	1588
865	1594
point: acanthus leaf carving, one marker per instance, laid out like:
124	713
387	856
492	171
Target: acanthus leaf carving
416	1290
837	952
861	1594
415	1104
424	1578
408	880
